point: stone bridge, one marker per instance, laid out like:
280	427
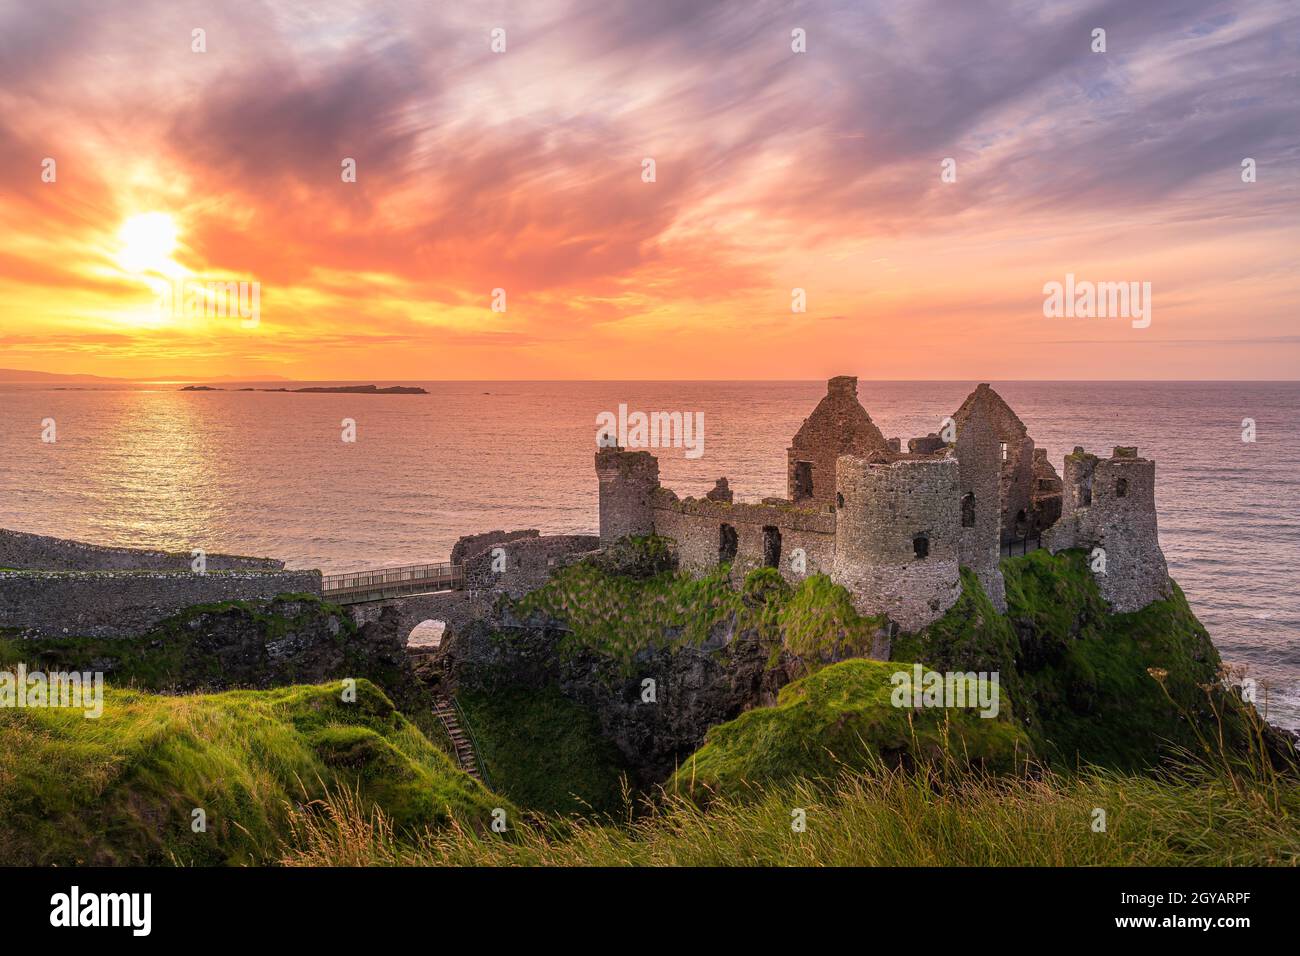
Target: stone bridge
454	609
455	592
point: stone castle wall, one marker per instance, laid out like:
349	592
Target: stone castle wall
529	561
125	604
888	507
896	528
979	470
696	525
38	552
1017	488
1111	504
627	481
472	544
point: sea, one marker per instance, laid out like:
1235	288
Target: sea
273	473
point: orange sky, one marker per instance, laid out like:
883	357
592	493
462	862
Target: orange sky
522	170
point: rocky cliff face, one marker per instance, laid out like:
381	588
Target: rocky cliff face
655	709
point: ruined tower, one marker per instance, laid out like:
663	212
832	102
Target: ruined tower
628	480
897	535
979	501
839	425
1110	504
1015	452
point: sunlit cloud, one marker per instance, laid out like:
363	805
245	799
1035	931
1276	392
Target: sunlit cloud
522	171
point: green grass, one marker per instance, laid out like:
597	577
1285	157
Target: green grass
842	718
121	789
883	818
1080	677
544	751
619	616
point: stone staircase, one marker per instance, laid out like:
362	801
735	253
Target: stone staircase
464	747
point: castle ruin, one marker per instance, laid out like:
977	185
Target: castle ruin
894	527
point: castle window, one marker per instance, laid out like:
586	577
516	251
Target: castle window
1121	488
728	543
968	510
1002	450
921	545
1022	523
803	483
1085	493
771	547
839	500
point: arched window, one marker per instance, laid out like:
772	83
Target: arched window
1121	488
921	545
1022	523
968	510
839	500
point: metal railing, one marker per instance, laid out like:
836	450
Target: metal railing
444	573
1021	546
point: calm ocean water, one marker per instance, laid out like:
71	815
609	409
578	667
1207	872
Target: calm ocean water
268	474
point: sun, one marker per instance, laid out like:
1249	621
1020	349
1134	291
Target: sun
147	242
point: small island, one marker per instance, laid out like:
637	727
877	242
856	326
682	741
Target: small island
343	389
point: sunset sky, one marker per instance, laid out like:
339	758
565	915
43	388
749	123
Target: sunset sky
522	170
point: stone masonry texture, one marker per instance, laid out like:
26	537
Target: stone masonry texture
126	604
895	527
38	552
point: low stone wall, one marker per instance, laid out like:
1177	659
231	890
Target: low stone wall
38	552
472	544
696	525
529	562
128	603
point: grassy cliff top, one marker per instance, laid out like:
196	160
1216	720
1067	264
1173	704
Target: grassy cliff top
1082	680
123	788
621	615
844	718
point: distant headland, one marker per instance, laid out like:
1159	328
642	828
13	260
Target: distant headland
349	389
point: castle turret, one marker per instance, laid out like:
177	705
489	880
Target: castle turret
1110	505
628	480
897	535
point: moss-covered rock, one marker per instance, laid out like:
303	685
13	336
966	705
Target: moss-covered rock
843	718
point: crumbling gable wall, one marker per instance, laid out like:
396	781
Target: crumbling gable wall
1016	455
1110	504
839	425
979	504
